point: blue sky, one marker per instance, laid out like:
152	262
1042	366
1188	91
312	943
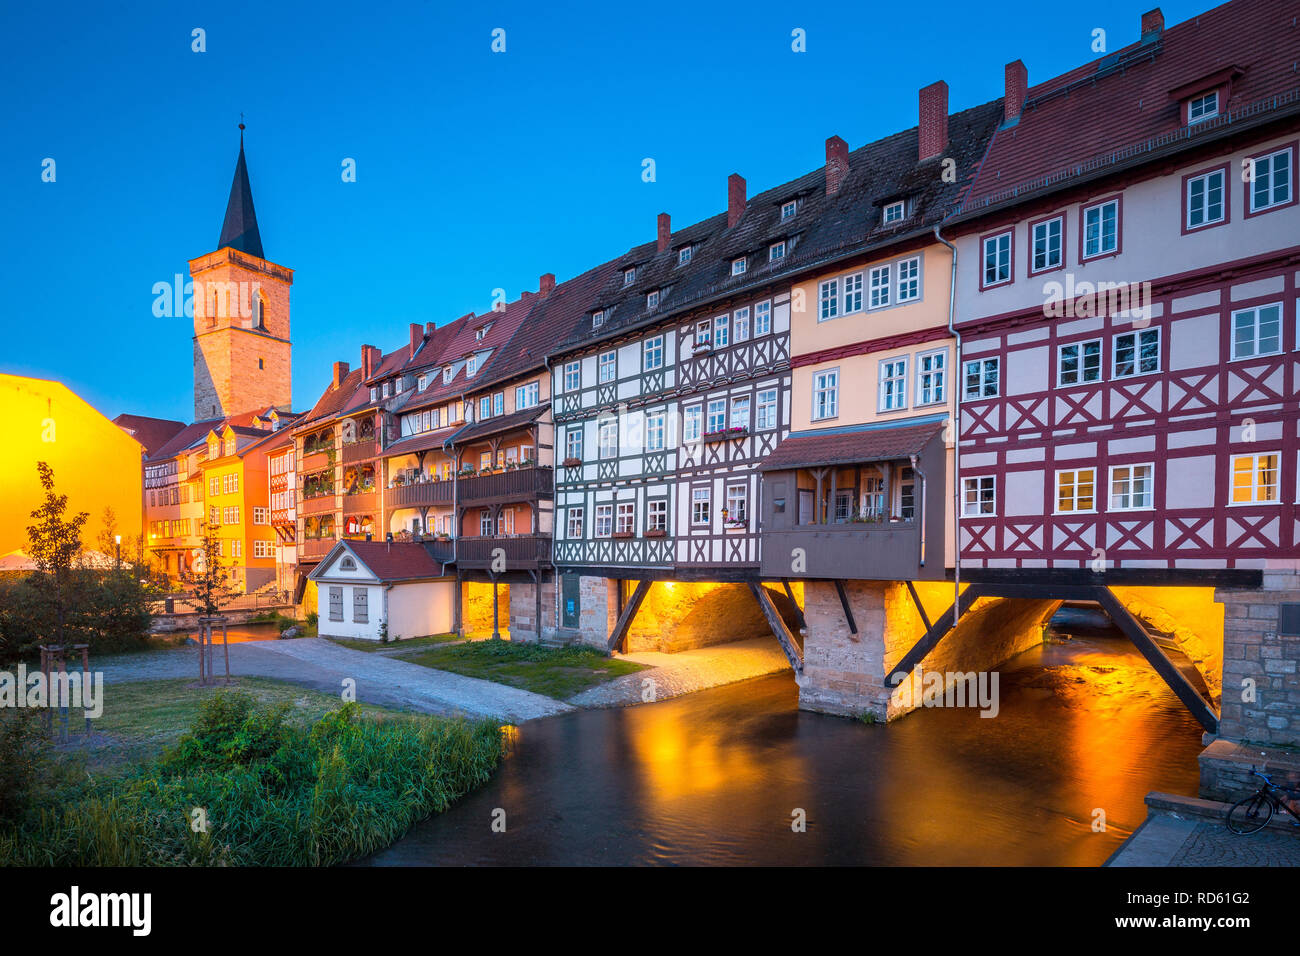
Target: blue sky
475	170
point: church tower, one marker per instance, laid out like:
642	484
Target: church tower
242	352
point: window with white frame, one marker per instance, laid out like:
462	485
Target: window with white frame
1076	490
1101	229
572	376
829	300
653	353
893	384
485	407
629	276
762	318
981	379
1270	180
654	431
657	514
1254	478
499	403
879	296
1203	107
894	212
652	300
700	505
609	439
740	324
787	210
978	496
1257	331
262	549
626	517
1079	363
703	331
573	442
716	419
931	377
740	411
573	521
1046	248
997	259
766	410
604	520
826	394
721	331
691	419
776	251
1205	204
683	255
236	548
1131	487
471	365
737	503
527	396
909	279
1136	353
738	266
260	515
608	367
598	318
851	297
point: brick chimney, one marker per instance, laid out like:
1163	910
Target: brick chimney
341	370
1017	89
735	198
837	164
933	119
665	232
546	285
1153	21
368	355
417	338
429	327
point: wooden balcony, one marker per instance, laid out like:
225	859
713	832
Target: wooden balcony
361	503
314	462
360	451
313	549
882	552
320	505
522	552
419	494
521	484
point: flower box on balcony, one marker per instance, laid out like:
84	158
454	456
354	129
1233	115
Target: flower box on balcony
656	533
625	534
726	433
572	462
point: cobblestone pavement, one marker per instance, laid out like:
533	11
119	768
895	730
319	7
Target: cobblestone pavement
687	671
323	665
1171	839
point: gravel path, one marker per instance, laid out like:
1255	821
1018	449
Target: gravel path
324	665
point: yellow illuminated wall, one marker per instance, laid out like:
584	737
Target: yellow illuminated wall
95	463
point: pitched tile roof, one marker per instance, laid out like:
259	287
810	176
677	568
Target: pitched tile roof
500	424
421	442
853	445
152	433
395	561
1124	102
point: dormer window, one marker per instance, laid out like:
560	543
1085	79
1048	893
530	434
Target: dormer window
387	389
683	255
894	212
652	300
481	332
629	276
598	318
397	387
787	210
738	266
374	393
446	374
1203	107
421	383
471	365
776	251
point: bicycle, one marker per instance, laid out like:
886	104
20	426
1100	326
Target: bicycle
1251	814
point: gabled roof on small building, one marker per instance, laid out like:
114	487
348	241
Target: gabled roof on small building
855	444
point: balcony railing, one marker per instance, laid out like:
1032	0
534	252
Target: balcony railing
319	505
315	548
361	502
521	552
520	484
313	461
419	493
888	551
360	451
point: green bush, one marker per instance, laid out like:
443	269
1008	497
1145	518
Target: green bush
107	610
272	793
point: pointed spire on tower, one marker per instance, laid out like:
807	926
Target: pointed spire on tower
239	231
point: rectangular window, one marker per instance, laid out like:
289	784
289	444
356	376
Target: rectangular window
787	210
909	280
1205	205
572	376
776	251
1257	331
260	515
1047	249
1101	229
485	407
997	259
978	496
214	488
851	299
1076	490
893	384
236	548
608	367
214	516
880	287
336	604
894	212
721	331
598	318
652	300
609	439
826	394
485	523
1203	107
829	299
360	606
683	255
737	503
629	276
740	324
702	333
1270	180
700	506
1137	353
574	521
1254	478
1079	363
604	520
907	494
499	403
763	318
691	419
484	460
657	514
717	417
766	410
1131	487
626	517
931	377
573	442
981	379
738	266
653	353
740	411
527	396
654	432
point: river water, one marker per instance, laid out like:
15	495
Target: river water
1085	730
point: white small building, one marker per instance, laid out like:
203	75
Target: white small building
369	589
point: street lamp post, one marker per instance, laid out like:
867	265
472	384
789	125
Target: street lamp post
117	540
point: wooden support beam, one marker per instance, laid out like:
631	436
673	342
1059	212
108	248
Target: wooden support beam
920	608
1179	684
618	638
848	611
936	632
774	621
798	611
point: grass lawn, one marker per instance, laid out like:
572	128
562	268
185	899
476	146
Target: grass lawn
558	672
142	717
369	646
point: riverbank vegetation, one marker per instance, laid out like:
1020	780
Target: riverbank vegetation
558	672
258	780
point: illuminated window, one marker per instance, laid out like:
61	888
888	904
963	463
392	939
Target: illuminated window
1076	490
1254	478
